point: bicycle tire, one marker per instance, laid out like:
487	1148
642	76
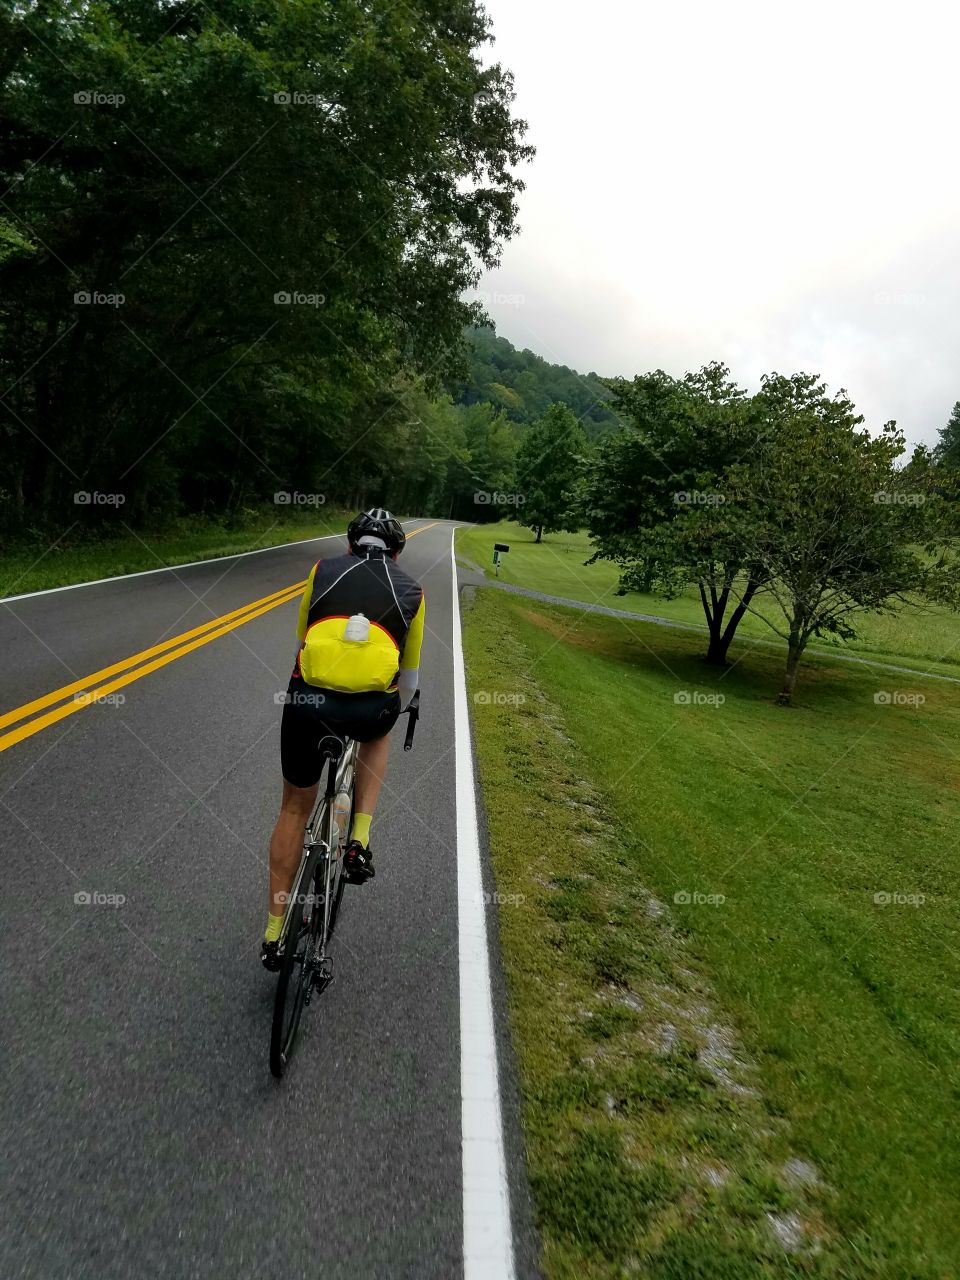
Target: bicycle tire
295	971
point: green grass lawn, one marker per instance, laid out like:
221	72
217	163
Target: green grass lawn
732	945
43	563
929	639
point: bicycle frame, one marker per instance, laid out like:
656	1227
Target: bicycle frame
320	832
319	880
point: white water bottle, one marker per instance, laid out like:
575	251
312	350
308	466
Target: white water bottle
357	628
341	817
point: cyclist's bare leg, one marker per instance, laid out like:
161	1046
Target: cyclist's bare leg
371	769
286	843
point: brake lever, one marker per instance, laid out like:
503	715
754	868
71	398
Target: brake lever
413	712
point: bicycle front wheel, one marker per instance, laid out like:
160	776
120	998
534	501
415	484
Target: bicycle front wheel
301	931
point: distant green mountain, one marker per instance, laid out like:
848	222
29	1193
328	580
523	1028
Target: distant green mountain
524	385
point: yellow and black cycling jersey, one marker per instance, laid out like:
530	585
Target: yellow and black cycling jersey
390	599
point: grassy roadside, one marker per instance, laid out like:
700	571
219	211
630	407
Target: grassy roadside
77	557
928	639
732	952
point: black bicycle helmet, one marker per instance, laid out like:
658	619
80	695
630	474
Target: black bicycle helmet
377	523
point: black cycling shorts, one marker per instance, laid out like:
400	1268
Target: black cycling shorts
310	714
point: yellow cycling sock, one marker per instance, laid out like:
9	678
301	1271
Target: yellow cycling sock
361	828
274	928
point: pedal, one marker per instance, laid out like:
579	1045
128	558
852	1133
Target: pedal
324	974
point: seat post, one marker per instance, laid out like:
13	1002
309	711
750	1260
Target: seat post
332	749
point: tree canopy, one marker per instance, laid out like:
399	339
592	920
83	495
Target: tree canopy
948	449
525	385
550	457
232	237
777	503
833	525
656	498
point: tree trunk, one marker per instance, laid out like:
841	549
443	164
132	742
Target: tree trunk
713	609
717	647
722	642
794	652
711	626
539	532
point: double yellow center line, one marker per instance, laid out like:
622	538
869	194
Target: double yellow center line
89	690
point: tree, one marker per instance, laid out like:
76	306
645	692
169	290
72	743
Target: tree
833	526
656	496
548	464
285	204
419	469
948	450
491	459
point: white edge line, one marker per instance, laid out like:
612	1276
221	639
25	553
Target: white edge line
487	1236
167	568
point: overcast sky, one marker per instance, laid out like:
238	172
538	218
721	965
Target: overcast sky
774	186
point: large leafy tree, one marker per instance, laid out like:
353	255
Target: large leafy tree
206	162
549	461
832	523
657	500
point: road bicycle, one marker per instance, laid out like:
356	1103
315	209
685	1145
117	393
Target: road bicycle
313	904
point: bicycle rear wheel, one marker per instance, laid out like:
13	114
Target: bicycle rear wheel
301	931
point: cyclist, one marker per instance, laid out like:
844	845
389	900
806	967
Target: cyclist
360	630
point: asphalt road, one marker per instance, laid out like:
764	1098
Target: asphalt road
142	1133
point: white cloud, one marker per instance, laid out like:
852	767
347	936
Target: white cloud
764	184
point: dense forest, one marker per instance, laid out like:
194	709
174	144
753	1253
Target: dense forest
234	253
235	247
524	385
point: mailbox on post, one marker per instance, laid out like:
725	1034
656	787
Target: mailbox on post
497	548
